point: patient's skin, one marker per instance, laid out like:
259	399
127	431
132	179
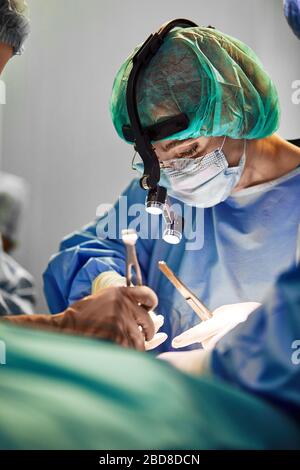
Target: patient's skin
6	53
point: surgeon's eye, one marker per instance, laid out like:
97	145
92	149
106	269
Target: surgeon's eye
190	152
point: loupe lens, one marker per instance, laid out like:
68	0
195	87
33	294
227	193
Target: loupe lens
154	208
171	236
156	200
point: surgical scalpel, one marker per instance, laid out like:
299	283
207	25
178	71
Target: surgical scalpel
129	237
199	308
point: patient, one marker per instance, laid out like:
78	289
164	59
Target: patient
66	392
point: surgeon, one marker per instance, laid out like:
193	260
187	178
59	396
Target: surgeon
254	346
238	177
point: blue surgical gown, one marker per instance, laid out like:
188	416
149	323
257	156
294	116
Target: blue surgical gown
241	247
262	355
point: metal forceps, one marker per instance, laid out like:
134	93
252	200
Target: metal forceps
199	308
129	237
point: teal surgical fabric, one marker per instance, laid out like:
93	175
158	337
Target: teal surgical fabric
63	392
215	79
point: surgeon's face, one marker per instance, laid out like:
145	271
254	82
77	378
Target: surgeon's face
187	148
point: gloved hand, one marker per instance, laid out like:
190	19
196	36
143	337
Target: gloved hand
209	332
116	314
158	338
112	278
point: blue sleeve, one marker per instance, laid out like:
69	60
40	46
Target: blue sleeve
96	248
262	355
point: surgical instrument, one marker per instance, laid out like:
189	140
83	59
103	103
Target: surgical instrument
199	308
129	237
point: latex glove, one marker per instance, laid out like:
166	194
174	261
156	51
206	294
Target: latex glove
158	338
209	332
112	278
190	362
118	314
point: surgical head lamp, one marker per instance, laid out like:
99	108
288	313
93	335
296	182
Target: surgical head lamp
156	201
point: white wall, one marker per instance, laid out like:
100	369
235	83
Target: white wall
2	104
57	128
1	130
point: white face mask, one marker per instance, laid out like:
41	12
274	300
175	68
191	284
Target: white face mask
204	181
201	182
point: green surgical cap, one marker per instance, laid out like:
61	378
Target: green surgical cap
215	79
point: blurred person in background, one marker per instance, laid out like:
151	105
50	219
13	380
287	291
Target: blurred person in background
17	294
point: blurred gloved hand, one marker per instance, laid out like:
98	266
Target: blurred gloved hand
208	332
112	278
190	362
115	314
